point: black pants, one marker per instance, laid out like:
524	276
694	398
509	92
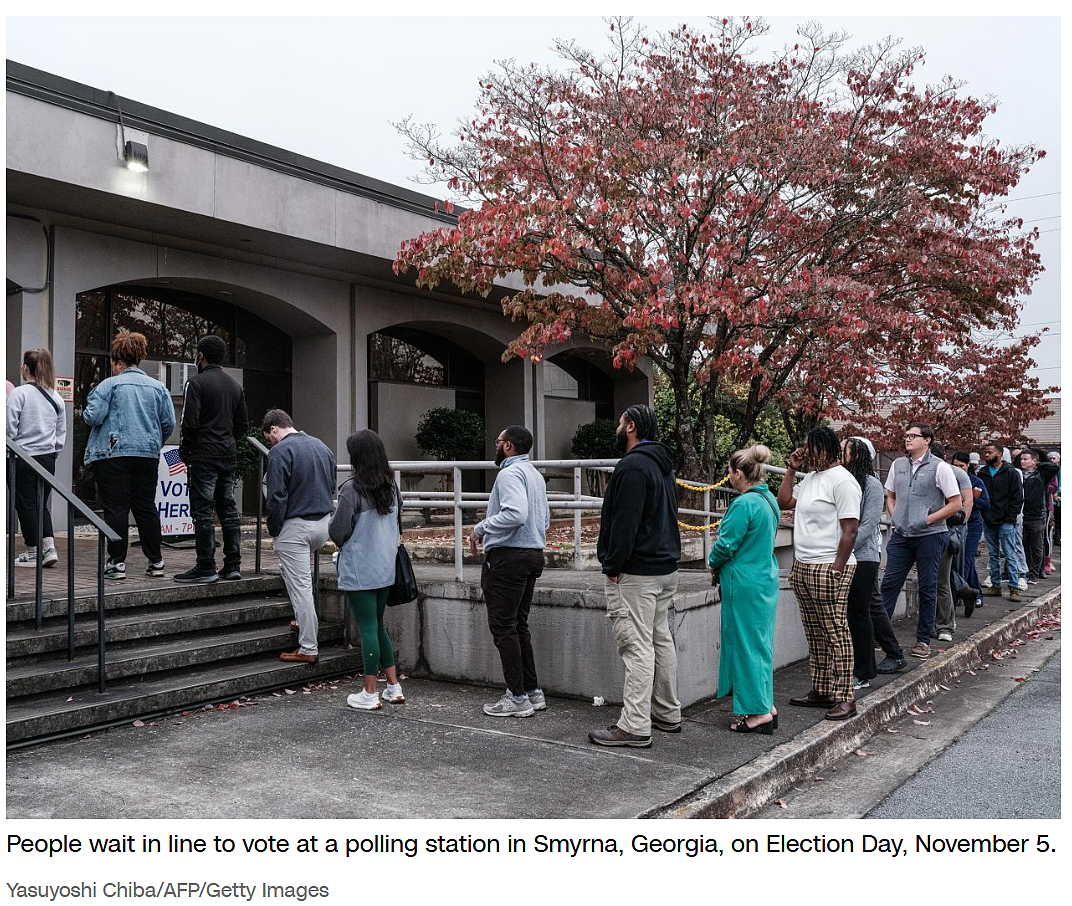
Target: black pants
1057	525
863	636
881	625
1034	546
26	499
127	484
212	488
508	579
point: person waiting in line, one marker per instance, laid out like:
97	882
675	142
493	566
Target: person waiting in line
1021	550
867	550
742	561
301	483
1006	492
514	534
1037	472
1053	490
1055	458
638	549
973	532
921	493
37	421
366	528
825	526
952	557
130	417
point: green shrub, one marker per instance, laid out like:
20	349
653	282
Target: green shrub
595	440
451	434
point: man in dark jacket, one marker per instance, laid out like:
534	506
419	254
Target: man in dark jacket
213	419
999	521
301	484
639	548
1038	472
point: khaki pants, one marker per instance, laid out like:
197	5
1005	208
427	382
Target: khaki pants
298	539
639	612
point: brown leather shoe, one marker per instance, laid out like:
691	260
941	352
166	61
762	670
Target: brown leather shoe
841	711
294	626
814	700
297	656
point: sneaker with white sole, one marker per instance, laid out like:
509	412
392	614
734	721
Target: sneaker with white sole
393	694
945	636
987	583
115	571
508	706
27	559
156	570
537	700
860	683
364	701
49	557
1023	584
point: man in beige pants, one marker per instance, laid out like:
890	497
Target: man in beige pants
639	549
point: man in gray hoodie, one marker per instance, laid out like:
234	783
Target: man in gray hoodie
514	534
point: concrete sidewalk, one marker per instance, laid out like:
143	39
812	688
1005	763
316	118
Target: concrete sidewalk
307	754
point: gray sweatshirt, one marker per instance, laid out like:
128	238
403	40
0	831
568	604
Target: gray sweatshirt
367	541
33	422
518	515
868	547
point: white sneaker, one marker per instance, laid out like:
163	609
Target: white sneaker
537	700
364	701
860	683
945	636
508	706
986	582
393	694
1023	584
49	557
27	559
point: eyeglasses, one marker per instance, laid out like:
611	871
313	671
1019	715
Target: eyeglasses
913	436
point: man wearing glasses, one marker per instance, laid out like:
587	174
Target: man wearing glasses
921	493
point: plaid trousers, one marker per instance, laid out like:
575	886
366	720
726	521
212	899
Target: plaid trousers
823	604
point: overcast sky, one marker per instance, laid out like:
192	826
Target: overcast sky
329	88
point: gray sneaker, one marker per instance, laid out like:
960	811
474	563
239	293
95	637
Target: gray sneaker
537	700
508	706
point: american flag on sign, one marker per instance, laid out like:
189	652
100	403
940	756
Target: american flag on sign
174	463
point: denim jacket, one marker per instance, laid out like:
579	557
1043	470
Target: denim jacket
130	414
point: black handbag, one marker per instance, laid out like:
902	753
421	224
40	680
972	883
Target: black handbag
404	588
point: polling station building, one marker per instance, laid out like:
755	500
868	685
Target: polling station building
122	215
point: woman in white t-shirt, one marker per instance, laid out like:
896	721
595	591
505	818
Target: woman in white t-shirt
827	517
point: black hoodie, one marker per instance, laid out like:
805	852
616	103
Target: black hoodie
638	531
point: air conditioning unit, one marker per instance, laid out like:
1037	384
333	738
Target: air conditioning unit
178	374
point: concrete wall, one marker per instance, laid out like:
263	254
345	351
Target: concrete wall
400	408
563	416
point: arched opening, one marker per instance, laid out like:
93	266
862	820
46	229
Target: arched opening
259	354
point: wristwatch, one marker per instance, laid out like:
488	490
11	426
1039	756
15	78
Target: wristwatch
837	573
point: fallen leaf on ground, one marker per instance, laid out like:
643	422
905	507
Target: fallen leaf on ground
291	691
781	803
863	754
891	730
922	723
973	673
139	723
71	699
1020	679
185	714
942	686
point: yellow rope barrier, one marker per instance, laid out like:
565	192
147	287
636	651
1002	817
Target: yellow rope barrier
710	487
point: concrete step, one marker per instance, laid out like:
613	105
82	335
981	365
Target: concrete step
152	621
157	656
120	596
49	714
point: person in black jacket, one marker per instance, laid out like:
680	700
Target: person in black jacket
1006	493
639	548
214	417
1038	472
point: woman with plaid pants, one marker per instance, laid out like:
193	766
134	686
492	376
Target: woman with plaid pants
826	522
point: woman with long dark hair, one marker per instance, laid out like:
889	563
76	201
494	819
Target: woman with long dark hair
366	528
825	525
37	420
856	457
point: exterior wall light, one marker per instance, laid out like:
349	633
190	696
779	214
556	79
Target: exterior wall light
136	156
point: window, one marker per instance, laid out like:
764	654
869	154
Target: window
393	359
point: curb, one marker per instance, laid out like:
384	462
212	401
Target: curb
752	785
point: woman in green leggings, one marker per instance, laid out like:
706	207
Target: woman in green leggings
366	529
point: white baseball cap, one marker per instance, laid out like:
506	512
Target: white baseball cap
973	458
870	446
1054	456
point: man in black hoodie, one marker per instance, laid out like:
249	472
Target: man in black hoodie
1006	492
214	417
639	548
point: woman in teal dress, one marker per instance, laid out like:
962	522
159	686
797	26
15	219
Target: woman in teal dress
743	559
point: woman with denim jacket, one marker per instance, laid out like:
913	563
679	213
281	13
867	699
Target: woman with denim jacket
131	416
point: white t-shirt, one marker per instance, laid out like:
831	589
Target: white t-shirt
823	499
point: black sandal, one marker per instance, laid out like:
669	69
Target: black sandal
741	726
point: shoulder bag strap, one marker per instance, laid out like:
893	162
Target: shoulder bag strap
56	406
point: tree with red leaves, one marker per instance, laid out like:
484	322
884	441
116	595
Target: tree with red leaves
777	230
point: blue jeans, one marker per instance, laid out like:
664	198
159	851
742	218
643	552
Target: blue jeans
925	551
1001	542
212	488
971	549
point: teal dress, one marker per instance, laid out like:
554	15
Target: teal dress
744	557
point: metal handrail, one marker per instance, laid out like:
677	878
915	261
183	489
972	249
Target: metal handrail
104	533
